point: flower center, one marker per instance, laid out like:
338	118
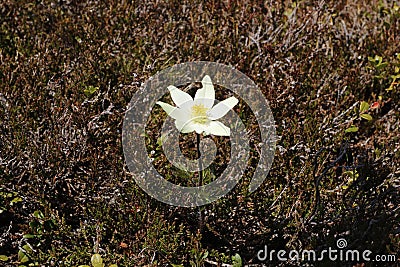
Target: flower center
199	114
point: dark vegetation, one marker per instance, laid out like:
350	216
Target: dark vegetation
68	70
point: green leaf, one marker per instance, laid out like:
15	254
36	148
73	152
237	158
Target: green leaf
38	214
97	261
90	90
16	200
378	59
366	116
377	152
27	248
83	266
371	59
395	77
113	265
375	60
364	106
237	260
29	236
381	65
381	76
390	88
177	265
79	40
351	129
34	225
3	258
22	257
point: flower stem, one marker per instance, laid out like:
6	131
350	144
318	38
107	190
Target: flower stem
200	182
199	158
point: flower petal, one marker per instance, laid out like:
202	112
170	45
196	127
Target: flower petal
199	128
207	92
174	112
180	125
166	107
223	107
178	96
189	126
205	102
217	128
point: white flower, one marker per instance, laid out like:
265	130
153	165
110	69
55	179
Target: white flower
199	114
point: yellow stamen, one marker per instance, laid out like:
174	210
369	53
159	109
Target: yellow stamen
199	114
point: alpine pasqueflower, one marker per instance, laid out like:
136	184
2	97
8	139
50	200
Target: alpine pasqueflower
199	114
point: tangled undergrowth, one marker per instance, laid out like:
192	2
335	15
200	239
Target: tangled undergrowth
329	70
